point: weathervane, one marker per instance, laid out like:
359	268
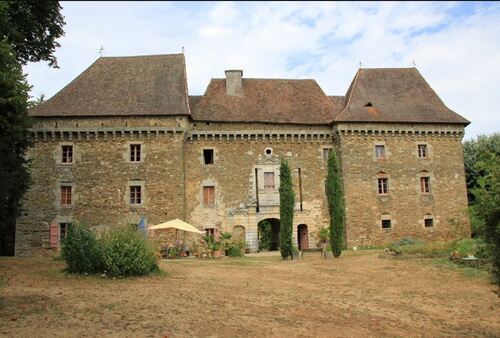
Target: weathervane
182	49
101	51
360	64
413	63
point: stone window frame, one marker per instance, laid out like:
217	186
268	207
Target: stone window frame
426	218
386	217
209	183
203	156
373	151
59	154
134	183
59	195
435	221
135	150
127	152
261	169
382	175
428	150
432	183
322	151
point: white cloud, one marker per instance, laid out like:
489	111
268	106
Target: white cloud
454	45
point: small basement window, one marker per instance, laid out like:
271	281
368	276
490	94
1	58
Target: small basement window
429	222
208	156
386	224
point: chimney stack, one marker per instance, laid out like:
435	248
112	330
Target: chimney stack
233	82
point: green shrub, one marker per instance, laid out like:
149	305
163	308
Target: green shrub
265	235
126	252
234	251
81	250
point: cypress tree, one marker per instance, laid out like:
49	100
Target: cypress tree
287	204
335	197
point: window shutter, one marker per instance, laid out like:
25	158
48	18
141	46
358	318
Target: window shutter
54	234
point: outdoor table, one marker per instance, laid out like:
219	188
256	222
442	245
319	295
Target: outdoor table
471	260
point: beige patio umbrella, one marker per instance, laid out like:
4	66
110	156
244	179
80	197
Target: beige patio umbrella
176	224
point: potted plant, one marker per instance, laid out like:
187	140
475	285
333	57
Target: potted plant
323	235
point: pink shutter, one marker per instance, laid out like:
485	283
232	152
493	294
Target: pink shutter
54	234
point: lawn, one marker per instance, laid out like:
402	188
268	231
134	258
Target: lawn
359	294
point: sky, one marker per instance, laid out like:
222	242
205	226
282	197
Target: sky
454	45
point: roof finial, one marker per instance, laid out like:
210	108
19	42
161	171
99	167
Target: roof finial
413	63
360	64
101	51
182	49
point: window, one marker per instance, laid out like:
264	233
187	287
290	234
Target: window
326	153
63	229
208	156
65	195
210	232
209	195
425	185
380	151
269	180
383	186
135	153
422	151
386	224
135	194
67	154
428	222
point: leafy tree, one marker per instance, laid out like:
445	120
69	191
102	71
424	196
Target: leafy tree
287	204
335	198
486	207
29	30
475	151
14	141
264	235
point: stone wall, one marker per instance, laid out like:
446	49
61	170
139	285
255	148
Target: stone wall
237	156
172	175
404	205
100	177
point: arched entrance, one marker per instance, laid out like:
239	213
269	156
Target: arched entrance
269	234
303	237
239	233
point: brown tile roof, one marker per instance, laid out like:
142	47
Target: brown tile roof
194	100
394	95
135	85
267	100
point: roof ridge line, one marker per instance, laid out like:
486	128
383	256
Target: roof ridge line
350	96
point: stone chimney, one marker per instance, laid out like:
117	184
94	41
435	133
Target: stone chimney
233	82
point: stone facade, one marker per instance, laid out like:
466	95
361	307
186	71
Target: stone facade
174	178
404	204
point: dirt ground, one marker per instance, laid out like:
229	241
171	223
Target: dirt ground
359	295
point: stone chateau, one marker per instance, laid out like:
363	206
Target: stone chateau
125	140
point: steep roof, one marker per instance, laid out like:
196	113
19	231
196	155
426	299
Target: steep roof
266	100
135	85
394	95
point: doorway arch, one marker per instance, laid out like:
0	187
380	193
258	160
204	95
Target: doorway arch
303	237
269	234
239	233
